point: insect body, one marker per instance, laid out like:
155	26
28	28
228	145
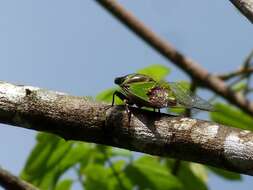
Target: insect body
143	91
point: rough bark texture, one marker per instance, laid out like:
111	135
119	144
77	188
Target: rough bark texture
9	181
77	118
245	7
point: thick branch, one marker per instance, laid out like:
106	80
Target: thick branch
245	7
9	181
77	118
168	51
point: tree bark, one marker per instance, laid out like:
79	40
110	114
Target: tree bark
78	118
245	7
9	181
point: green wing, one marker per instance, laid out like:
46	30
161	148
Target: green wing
140	89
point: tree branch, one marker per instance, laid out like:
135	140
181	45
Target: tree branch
168	51
77	118
9	181
240	71
245	7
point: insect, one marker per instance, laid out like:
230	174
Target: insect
143	91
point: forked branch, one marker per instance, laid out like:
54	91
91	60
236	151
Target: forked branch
199	74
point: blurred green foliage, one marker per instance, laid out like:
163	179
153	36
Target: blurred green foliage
231	116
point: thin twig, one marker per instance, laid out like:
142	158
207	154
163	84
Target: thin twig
248	60
9	181
246	65
232	74
244	73
199	74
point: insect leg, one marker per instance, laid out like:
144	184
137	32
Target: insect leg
126	102
129	113
120	95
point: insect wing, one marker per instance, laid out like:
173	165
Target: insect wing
187	99
141	89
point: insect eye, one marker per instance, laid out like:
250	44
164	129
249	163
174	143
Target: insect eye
119	80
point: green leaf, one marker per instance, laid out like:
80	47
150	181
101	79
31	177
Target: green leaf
97	162
64	184
100	177
225	174
190	181
35	165
148	173
43	137
96	177
51	172
78	152
71	158
48	180
193	176
58	154
101	153
231	116
122	152
106	95
50	158
239	86
199	171
122	179
156	71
